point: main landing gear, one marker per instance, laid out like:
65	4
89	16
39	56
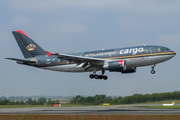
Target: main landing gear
98	76
153	71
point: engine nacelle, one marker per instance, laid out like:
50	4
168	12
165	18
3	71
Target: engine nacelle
115	66
130	70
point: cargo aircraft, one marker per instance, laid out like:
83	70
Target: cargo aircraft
124	60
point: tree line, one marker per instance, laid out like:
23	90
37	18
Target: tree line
100	99
136	98
40	101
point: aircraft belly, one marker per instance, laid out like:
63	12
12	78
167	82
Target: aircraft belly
152	60
164	58
158	59
65	68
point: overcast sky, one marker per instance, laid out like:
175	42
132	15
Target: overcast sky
69	26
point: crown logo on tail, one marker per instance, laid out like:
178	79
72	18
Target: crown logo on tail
30	47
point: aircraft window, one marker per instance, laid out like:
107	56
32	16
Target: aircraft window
166	49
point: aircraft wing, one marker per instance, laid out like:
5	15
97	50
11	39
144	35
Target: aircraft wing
80	59
21	60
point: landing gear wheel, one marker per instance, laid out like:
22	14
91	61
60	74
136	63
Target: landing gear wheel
96	76
105	77
152	71
100	77
91	76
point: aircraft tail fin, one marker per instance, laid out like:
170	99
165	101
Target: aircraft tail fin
28	47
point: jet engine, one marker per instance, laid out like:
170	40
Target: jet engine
115	66
130	70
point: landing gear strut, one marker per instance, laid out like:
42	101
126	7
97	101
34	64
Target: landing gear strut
153	71
102	76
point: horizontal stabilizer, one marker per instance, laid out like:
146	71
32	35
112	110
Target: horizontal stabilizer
21	60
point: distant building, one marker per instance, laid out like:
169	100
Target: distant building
63	102
6	96
35	99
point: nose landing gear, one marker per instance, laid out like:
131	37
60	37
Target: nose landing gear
153	71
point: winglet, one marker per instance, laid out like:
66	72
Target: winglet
48	53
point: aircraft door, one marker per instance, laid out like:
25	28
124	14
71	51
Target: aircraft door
153	50
153	57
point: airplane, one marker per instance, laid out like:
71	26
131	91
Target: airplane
124	60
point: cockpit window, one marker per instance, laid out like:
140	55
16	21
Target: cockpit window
166	49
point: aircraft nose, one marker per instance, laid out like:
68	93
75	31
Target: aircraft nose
174	53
